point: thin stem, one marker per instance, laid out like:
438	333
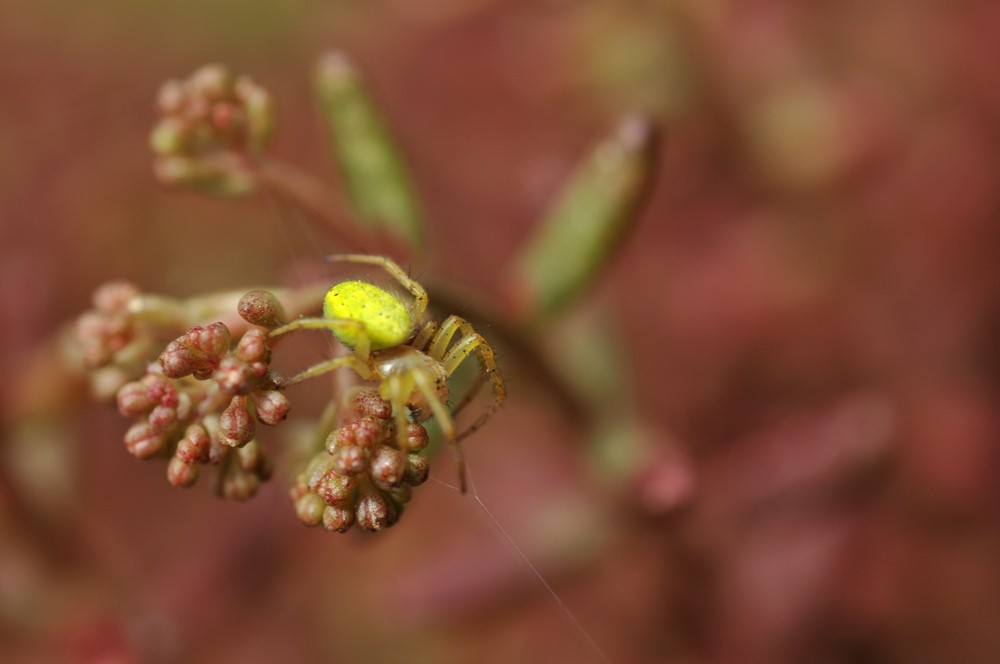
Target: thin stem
293	186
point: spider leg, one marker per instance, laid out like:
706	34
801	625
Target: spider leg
444	334
363	348
424	336
425	385
361	368
397	390
473	342
390	266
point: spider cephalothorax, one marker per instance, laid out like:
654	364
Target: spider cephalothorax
390	343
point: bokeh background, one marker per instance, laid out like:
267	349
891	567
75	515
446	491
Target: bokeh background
807	314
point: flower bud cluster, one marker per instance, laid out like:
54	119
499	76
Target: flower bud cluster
211	123
362	477
201	405
120	335
108	328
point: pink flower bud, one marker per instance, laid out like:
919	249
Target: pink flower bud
416	437
349	460
133	399
233	375
337	489
387	467
418	469
252	347
181	473
194	446
309	509
338	518
261	307
212	340
374	512
272	407
143	441
162	417
236	424
369	402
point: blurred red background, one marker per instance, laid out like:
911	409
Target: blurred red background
808	312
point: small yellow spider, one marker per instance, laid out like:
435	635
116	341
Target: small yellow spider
411	359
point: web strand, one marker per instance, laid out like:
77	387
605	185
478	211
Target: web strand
567	613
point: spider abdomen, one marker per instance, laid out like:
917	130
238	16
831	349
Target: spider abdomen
387	320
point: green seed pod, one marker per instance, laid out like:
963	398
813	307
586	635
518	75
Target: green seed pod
586	224
377	179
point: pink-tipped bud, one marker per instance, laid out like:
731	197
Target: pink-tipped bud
367	401
237	484
261	307
418	469
416	437
143	441
388	466
309	509
236	424
134	399
194	446
114	295
369	431
178	360
374	512
349	460
252	347
272	407
338	519
180	473
212	340
232	375
162	418
337	489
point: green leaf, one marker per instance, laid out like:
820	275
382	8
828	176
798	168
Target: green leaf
587	222
377	179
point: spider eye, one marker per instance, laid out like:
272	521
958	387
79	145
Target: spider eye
386	318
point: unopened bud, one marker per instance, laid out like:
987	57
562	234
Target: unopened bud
212	340
180	473
388	466
143	441
232	375
237	484
133	399
367	401
236	424
374	512
253	347
194	446
161	417
349	460
418	469
272	407
309	509
337	518
336	489
416	437
261	307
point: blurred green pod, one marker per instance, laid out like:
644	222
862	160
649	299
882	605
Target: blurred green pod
376	177
587	222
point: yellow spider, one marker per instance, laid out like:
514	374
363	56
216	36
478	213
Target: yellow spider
411	359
